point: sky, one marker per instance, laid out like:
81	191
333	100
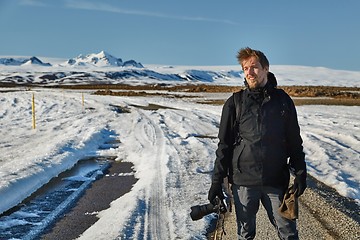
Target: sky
323	33
172	150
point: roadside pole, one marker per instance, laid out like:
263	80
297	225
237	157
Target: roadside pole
33	111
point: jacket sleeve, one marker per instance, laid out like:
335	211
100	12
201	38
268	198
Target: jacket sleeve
294	141
226	142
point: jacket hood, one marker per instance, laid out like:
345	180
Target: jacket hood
272	80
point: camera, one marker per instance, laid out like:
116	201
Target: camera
199	211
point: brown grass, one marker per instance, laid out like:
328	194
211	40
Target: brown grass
302	95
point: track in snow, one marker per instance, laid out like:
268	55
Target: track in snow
167	140
147	221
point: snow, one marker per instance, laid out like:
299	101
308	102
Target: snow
100	59
172	149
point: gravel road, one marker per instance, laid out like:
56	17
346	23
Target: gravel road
97	198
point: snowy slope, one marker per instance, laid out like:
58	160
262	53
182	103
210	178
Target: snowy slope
172	151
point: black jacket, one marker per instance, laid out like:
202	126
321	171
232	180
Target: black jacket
270	134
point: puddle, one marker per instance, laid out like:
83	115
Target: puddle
114	143
152	107
119	109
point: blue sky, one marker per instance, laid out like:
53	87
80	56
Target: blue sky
185	32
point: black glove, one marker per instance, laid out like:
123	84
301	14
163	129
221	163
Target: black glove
215	191
300	183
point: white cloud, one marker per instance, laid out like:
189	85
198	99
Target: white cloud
97	6
36	3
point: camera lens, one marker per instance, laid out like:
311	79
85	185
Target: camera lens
199	211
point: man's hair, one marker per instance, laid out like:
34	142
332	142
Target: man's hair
247	52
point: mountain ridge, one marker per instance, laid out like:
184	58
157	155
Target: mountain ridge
21	61
104	68
101	59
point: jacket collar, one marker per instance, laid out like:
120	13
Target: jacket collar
271	83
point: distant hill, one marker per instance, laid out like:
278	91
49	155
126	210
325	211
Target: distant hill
22	61
101	59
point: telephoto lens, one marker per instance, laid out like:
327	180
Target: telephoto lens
199	211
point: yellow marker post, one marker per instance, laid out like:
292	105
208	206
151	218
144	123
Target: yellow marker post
33	111
83	101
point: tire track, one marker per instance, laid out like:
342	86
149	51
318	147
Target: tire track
173	142
184	165
153	218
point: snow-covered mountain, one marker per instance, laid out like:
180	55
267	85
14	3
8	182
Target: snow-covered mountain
101	59
20	61
35	60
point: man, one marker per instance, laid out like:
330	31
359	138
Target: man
257	147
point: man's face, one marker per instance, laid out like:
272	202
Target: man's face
255	74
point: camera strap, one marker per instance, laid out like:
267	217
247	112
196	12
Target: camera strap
221	220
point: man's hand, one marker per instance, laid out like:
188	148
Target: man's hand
300	183
215	191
